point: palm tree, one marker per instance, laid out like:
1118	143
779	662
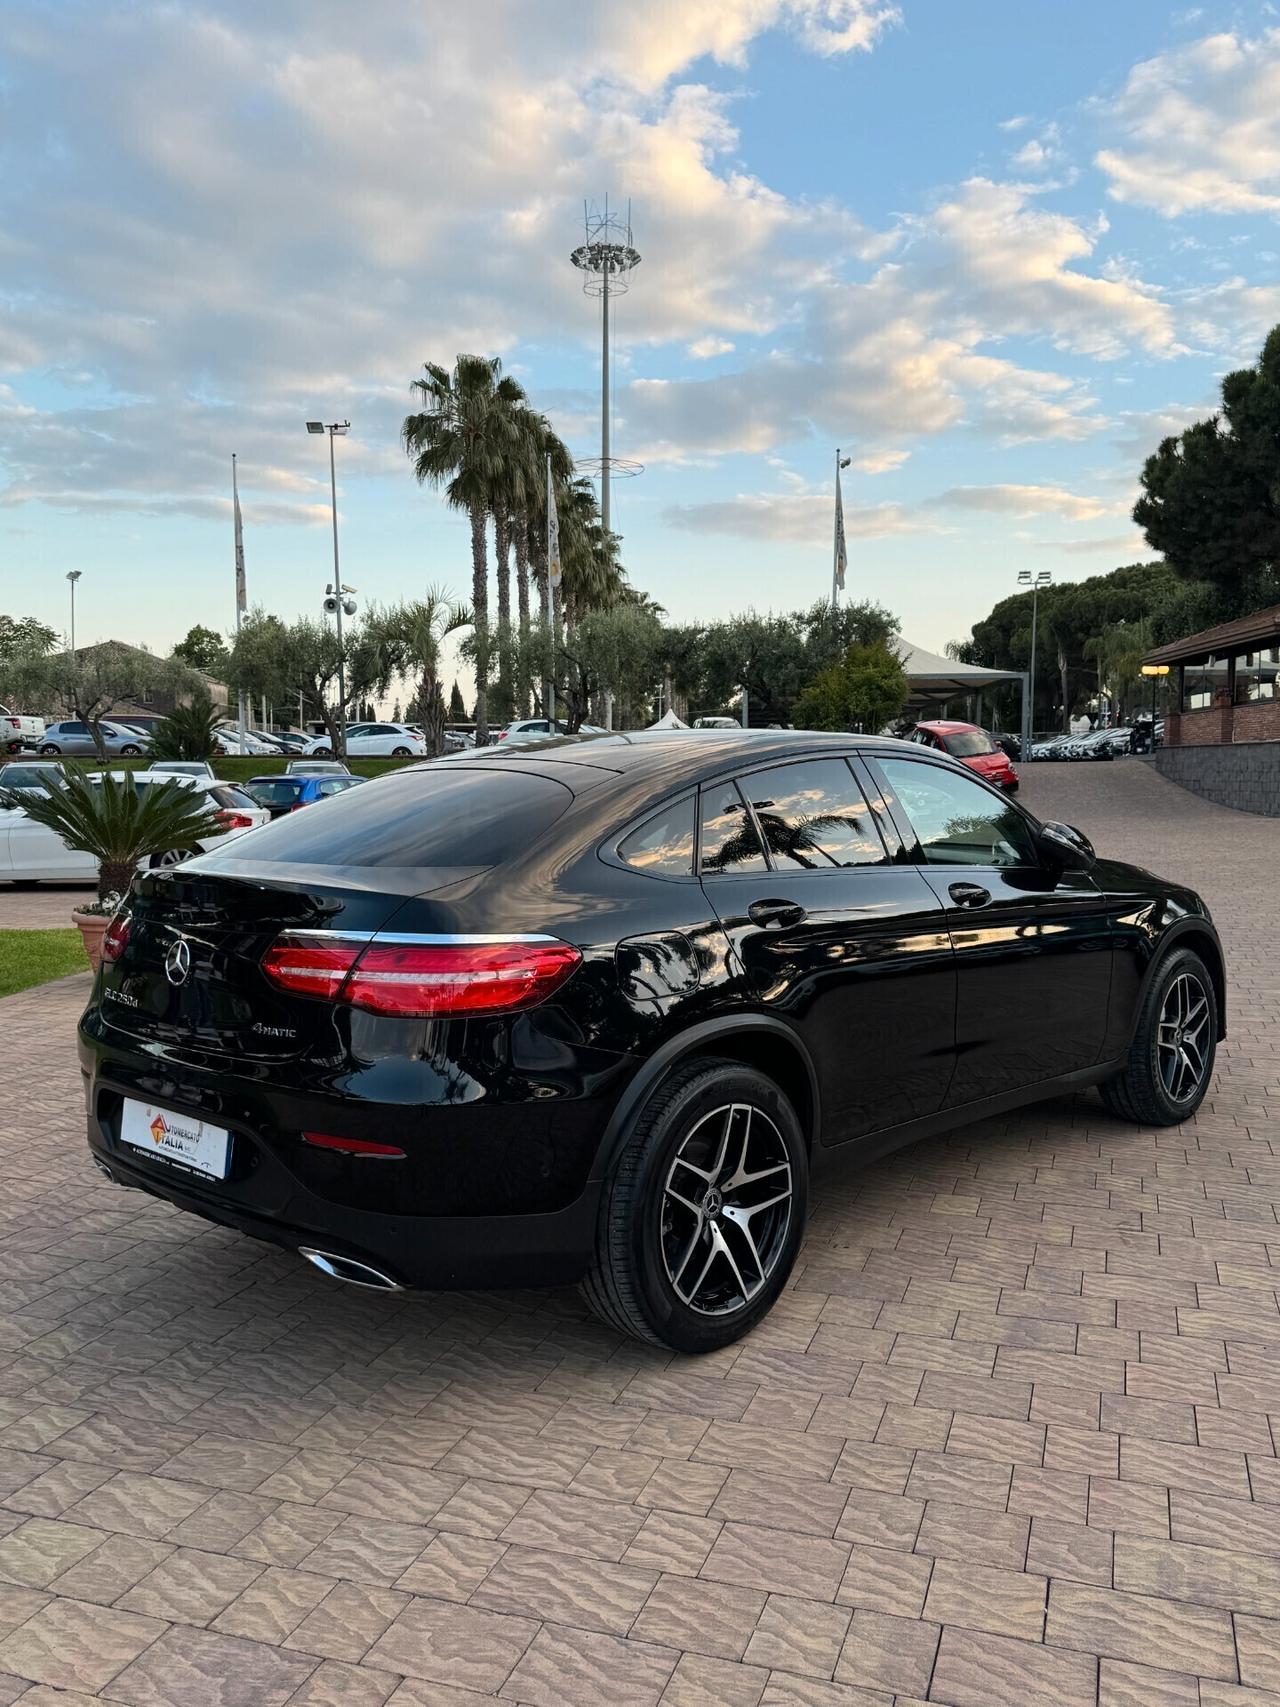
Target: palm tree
464	439
117	823
420	628
548	445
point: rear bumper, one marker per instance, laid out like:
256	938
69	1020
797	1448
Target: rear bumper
453	1251
476	1166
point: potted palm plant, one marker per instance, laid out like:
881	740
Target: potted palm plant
119	826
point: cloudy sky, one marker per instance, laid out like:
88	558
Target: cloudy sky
995	250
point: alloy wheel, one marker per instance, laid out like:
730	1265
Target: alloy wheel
726	1209
1182	1037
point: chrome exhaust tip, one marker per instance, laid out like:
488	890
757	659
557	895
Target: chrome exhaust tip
349	1270
103	1169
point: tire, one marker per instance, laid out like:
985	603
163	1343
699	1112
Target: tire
322	753
401	753
170	857
130	752
49	747
647	1233
1143	1092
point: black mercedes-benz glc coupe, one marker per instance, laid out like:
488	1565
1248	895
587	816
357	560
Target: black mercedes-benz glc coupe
595	1009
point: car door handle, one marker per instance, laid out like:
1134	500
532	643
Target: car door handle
775	914
969	894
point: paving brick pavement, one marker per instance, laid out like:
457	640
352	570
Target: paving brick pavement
1009	1439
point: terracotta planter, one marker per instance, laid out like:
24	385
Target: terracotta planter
92	928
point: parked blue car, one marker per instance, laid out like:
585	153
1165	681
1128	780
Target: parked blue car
281	794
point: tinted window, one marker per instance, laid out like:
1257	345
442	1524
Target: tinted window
451	815
663	845
226	794
958	822
969	743
335	785
813	816
729	838
276	793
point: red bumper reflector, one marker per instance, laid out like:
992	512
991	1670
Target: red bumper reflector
350	1146
427	979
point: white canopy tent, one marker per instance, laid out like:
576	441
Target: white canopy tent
934	680
669	720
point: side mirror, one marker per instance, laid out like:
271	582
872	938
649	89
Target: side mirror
1065	848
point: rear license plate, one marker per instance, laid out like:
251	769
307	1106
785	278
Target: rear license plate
179	1138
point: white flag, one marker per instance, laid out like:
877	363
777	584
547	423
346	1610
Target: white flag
553	533
842	556
241	598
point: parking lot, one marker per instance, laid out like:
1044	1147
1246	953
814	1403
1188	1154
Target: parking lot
1009	1440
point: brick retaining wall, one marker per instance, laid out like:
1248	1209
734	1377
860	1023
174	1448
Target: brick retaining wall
1244	775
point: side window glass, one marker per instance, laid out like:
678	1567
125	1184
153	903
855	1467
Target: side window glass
958	822
730	841
663	844
813	816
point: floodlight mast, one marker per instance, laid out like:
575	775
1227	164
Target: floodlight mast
604	259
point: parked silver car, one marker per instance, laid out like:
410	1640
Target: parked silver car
74	738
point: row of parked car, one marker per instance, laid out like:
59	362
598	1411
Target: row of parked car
1100	743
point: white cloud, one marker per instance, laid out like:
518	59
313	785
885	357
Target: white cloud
1118	548
880	461
703	349
792	518
1199	129
1039	153
1012	500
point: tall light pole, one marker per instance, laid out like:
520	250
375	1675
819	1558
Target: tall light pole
73	575
335	595
604	258
1041	578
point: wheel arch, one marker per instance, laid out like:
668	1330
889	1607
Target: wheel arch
755	1040
1199	935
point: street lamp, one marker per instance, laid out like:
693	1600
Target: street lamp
334	599
73	575
1040	578
1155	671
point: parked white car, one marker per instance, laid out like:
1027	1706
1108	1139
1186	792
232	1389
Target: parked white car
18	731
30	853
374	741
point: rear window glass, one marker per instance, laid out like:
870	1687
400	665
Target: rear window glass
226	794
451	815
730	841
277	793
663	845
814	817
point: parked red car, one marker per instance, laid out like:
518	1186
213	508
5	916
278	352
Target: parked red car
973	747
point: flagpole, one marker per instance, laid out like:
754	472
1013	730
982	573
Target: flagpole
835	539
239	551
548	690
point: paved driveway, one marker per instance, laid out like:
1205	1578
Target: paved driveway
1010	1441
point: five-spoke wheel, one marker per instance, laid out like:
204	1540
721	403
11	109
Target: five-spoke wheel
702	1215
1182	1036
1169	1065
726	1209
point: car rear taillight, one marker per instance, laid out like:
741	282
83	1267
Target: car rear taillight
234	820
116	938
441	978
312	967
15	722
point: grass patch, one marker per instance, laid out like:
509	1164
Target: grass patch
34	957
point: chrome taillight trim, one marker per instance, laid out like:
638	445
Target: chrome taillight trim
418	939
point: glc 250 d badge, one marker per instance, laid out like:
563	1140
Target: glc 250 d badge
177	963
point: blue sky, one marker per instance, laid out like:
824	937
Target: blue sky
994	250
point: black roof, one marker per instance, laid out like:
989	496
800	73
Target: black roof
586	761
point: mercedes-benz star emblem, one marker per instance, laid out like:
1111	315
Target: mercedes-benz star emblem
177	963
